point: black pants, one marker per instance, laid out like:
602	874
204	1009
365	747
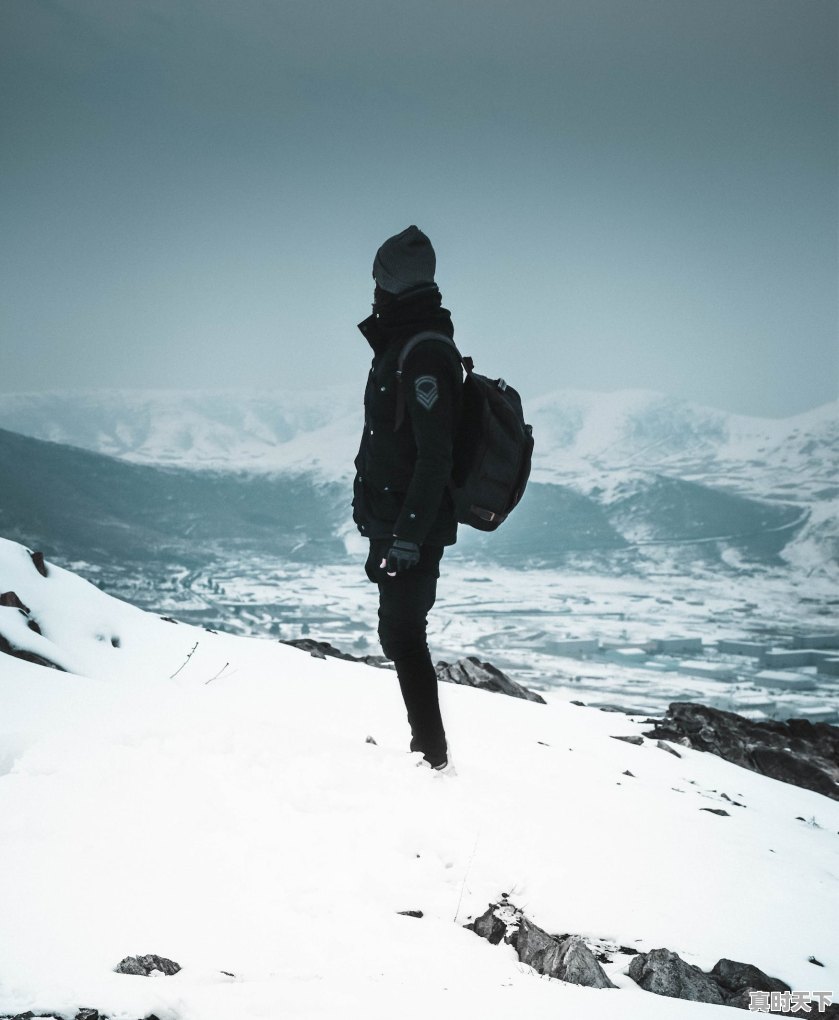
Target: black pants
404	604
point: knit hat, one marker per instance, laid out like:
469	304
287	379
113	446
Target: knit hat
404	261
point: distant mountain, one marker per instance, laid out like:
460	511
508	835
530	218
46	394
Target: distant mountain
79	505
85	506
227	430
579	435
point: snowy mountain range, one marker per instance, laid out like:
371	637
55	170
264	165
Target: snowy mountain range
249	814
633	469
577	432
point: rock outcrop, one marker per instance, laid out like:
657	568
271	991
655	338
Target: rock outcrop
83	1014
666	973
324	650
795	751
728	983
471	672
10	600
144	965
567	958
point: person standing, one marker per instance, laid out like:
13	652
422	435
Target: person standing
401	501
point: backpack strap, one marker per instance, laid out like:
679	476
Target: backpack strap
427	334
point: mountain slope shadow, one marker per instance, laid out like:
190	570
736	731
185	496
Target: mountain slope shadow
86	505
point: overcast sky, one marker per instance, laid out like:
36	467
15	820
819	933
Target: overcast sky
621	193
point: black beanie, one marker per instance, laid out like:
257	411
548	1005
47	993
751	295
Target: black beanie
404	261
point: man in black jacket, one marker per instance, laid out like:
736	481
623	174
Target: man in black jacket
401	501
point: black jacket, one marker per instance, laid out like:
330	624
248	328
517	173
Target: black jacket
401	477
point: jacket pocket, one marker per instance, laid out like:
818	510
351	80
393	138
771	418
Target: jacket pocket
384	503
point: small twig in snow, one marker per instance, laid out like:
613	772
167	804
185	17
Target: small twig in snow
172	677
223	668
466	875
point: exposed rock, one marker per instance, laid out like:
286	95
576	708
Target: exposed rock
83	1014
38	560
796	751
567	958
634	739
666	973
10	599
495	923
577	964
728	982
734	978
537	948
716	811
410	913
144	965
471	672
7	648
324	650
667	747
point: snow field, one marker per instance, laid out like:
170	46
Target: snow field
243	824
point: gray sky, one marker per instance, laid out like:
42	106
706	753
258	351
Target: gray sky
621	193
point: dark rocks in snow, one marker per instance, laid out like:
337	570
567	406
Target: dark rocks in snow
84	1013
795	751
493	925
10	599
324	650
471	672
666	973
634	739
736	980
410	913
659	971
736	803
716	811
7	648
667	747
144	965
40	565
728	983
567	957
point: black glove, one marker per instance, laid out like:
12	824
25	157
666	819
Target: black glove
400	556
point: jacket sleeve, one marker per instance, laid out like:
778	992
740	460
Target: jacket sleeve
432	384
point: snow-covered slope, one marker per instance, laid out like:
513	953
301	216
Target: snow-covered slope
214	800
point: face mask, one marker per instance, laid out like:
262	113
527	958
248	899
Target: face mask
381	298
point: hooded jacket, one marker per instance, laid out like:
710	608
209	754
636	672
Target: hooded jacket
402	475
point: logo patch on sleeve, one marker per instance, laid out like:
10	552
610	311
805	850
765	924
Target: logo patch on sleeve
426	392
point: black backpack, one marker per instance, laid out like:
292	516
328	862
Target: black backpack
493	446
